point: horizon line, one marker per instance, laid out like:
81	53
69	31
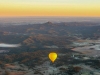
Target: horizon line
50	16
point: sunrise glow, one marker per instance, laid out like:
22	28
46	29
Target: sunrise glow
50	8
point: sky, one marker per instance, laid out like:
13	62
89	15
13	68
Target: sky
83	8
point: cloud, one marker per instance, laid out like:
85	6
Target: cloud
9	45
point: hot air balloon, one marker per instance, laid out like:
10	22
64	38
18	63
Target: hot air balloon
52	56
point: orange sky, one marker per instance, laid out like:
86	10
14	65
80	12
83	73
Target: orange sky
49	9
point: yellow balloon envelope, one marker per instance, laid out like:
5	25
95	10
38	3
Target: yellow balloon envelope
53	56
